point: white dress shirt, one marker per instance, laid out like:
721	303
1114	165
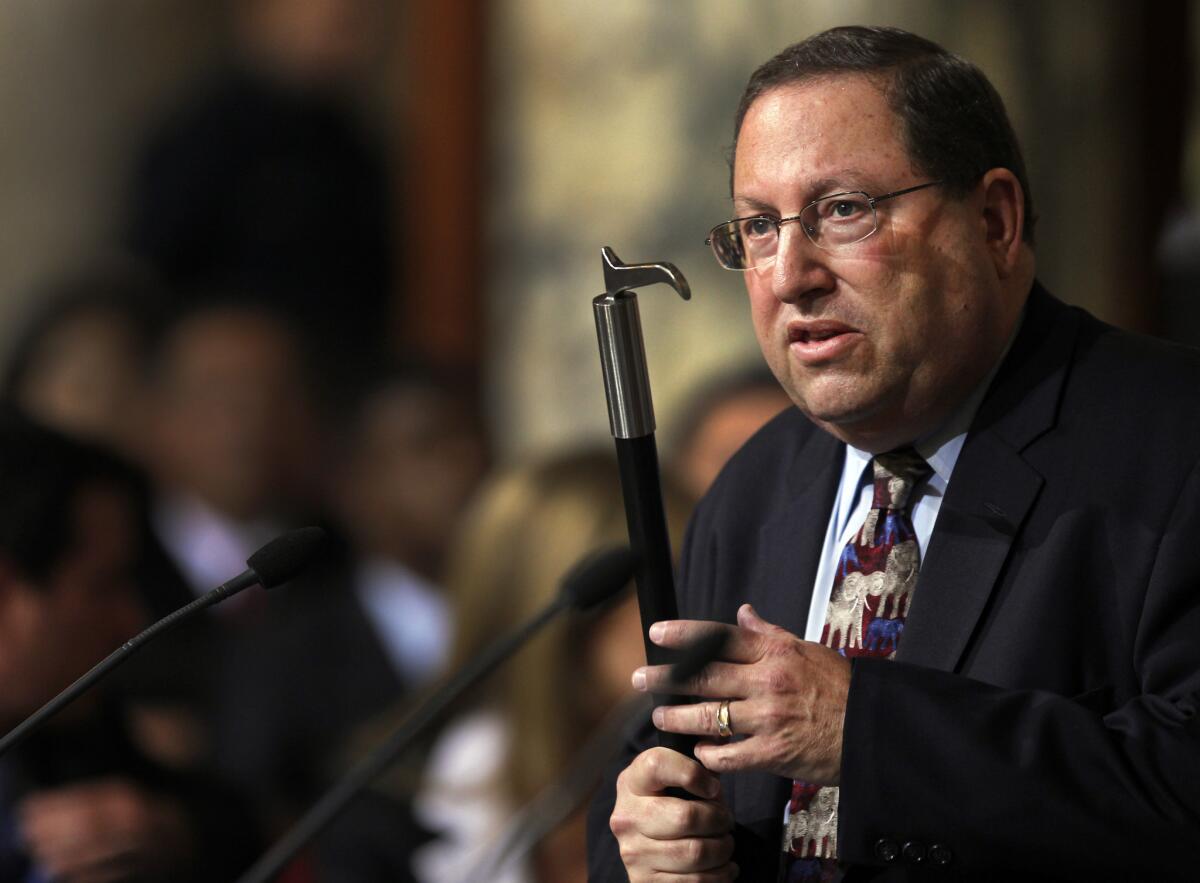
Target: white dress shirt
856	491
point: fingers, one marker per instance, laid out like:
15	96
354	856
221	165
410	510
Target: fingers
657	769
740	645
666	838
693	858
700	719
724	679
748	618
101	831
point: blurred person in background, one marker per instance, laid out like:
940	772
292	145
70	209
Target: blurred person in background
229	440
78	802
526	529
232	439
719	417
265	175
410	454
78	362
79	365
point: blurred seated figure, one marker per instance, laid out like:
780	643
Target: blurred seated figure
524	531
719	418
80	366
410	453
77	801
78	363
228	439
231	438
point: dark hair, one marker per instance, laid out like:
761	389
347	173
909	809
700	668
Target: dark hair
42	474
955	124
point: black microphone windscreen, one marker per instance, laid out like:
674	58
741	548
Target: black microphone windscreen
286	555
598	577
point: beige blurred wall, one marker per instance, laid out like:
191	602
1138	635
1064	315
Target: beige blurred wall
78	80
609	127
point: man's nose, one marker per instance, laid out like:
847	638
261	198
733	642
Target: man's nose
800	268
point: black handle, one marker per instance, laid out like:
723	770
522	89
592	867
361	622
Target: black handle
651	544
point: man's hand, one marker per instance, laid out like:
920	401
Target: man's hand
104	830
662	836
787	699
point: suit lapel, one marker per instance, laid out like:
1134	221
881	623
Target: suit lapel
790	544
991	491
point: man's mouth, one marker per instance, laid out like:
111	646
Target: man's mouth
822	340
806	336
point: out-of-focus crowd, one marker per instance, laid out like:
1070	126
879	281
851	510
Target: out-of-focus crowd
166	413
147	447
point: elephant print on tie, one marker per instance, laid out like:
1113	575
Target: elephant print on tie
872	591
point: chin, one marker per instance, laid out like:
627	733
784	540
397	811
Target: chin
838	409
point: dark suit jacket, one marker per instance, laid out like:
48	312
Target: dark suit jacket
1040	718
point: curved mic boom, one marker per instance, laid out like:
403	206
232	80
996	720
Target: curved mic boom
275	563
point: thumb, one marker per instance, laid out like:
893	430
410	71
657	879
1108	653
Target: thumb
748	618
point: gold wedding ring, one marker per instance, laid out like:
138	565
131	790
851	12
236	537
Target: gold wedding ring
724	730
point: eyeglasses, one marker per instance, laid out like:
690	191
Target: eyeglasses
831	222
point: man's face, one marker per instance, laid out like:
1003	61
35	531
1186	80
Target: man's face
232	423
880	341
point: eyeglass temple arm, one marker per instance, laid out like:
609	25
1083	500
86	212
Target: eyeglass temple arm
631	418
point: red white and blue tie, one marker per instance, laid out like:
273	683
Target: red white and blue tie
872	591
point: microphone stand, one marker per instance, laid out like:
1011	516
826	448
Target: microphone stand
631	419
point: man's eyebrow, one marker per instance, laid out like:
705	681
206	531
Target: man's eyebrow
842	181
748	205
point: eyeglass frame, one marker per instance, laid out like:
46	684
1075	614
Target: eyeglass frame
872	201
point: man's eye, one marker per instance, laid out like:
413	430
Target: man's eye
757	228
846	208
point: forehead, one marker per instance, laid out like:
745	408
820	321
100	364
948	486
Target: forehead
802	139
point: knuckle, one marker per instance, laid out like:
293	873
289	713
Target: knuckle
687	815
694	777
688	853
620	824
777	680
772	714
718	762
652	763
724	850
630	854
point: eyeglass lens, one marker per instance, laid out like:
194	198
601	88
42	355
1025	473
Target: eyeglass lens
834	221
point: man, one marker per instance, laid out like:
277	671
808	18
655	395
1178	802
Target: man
1038	719
77	799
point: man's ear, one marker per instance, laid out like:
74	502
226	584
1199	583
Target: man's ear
1003	219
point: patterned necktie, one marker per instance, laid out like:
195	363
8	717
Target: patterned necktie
872	591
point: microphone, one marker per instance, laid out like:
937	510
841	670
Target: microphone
276	562
591	582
